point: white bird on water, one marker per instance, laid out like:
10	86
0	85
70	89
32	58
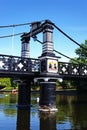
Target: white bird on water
38	99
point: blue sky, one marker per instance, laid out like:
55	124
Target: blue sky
68	15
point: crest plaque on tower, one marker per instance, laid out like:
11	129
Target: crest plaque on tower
52	65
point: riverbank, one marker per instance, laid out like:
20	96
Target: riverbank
60	92
67	92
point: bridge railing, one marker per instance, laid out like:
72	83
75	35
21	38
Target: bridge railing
18	64
65	68
31	65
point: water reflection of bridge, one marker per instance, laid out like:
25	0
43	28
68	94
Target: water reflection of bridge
47	120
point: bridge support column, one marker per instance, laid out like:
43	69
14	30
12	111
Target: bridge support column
24	94
48	96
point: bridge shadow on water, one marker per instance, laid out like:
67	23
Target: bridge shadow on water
72	113
23	119
70	105
47	120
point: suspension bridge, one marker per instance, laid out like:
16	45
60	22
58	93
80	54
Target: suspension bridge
46	69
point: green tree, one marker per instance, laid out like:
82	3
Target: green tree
5	82
81	53
8	83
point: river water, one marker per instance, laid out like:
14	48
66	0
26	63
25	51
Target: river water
71	115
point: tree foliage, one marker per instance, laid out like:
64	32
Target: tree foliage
8	83
81	53
5	82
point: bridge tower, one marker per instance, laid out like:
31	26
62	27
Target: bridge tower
24	84
48	70
25	46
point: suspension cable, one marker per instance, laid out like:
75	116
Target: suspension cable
13	40
11	35
66	56
35	39
69	57
68	36
23	24
14	25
